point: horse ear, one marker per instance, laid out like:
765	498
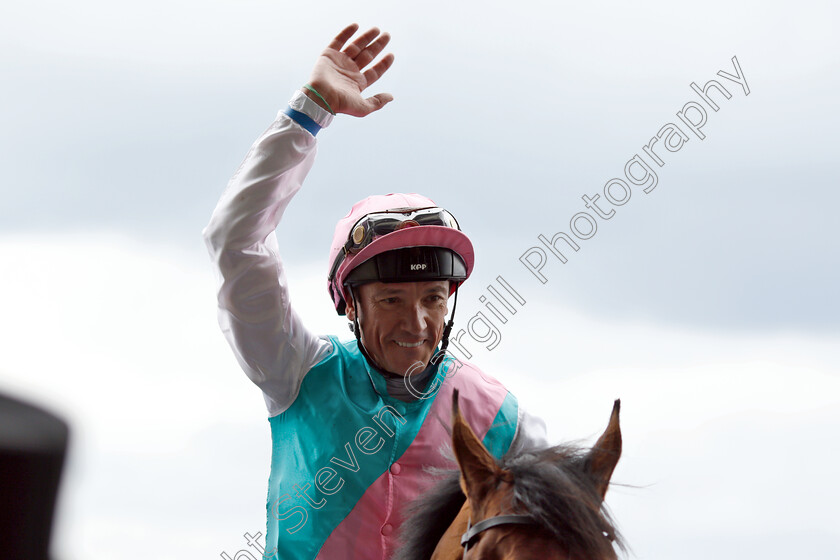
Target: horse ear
479	470
603	457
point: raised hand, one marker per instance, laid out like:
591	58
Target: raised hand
340	76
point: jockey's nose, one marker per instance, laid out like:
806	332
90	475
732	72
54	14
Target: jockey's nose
417	317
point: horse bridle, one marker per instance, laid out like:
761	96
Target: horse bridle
512	519
473	530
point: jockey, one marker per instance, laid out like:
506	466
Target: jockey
355	424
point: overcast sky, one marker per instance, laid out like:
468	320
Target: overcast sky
708	304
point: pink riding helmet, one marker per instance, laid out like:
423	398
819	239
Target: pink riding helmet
415	236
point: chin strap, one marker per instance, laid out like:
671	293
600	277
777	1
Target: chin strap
356	329
444	341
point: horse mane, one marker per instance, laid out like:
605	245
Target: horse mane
551	485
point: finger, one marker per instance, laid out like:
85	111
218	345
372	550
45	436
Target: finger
378	69
360	42
372	51
342	37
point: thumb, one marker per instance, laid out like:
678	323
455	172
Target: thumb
376	102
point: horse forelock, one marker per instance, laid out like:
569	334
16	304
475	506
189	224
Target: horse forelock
554	488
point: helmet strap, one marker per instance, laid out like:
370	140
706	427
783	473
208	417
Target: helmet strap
357	329
444	341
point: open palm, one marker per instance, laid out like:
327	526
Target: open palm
340	76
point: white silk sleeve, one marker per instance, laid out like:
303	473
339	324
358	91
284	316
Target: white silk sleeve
268	338
530	432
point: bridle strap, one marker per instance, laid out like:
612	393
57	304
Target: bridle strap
473	530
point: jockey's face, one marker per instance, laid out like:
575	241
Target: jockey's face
402	323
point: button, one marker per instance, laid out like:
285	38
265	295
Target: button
396	468
387	529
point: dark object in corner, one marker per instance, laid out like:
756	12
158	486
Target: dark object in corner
33	444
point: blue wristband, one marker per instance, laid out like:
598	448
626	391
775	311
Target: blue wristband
303	120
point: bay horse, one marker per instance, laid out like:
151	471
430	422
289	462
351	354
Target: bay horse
531	505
